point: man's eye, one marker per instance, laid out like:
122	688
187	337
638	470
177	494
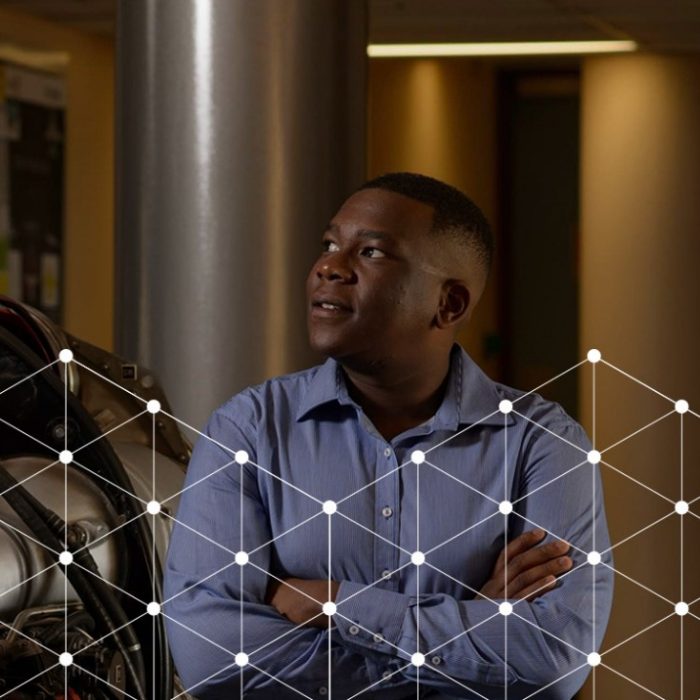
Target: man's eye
373	253
329	246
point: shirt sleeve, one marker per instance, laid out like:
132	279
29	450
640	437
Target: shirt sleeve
215	608
468	645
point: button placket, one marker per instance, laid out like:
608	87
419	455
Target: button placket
385	556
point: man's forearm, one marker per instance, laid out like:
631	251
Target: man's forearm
205	633
471	642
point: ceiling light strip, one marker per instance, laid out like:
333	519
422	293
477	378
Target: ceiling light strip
518	48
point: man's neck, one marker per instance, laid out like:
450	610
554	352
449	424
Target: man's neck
396	399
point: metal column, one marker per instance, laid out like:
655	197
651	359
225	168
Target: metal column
240	130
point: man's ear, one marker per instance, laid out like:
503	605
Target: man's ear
454	307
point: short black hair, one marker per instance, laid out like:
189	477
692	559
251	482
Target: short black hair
455	214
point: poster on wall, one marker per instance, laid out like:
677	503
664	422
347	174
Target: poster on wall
32	131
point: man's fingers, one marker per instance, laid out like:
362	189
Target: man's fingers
520	544
533	580
529	567
553	567
538	588
536	556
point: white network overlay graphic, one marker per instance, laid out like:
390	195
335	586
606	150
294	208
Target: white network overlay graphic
422	659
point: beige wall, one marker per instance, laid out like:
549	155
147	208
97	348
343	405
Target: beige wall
640	289
438	117
89	198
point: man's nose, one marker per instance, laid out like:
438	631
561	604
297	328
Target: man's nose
334	267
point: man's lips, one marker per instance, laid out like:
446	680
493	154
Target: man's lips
330	305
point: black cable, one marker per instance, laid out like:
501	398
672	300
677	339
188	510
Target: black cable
85	559
79	618
18	501
104	591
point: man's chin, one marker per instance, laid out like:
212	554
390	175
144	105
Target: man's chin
328	348
353	359
330	345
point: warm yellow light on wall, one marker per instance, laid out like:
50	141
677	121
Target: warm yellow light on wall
507	48
53	61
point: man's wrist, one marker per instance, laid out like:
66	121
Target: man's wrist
301	600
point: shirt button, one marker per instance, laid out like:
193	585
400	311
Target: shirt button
387	452
436	661
323	690
354	630
386	675
387	512
377	638
386	574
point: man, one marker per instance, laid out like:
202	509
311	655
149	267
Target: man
356	545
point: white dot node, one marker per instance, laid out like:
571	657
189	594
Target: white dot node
682	406
682	507
153	507
329	507
505	608
505	406
65	355
593	659
593	355
417	457
66	457
506	507
329	608
594	456
153	609
65	558
594	558
241	457
417	659
65	659
681	609
241	558
241	659
417	558
153	406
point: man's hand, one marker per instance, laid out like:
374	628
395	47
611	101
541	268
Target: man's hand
532	569
297	598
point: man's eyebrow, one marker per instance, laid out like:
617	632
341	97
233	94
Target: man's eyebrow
363	233
377	235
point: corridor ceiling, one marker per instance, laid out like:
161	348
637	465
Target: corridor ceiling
657	25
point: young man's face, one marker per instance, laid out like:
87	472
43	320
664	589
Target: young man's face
377	275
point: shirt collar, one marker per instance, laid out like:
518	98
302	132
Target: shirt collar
471	397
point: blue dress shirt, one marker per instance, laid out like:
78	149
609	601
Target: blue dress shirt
308	442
